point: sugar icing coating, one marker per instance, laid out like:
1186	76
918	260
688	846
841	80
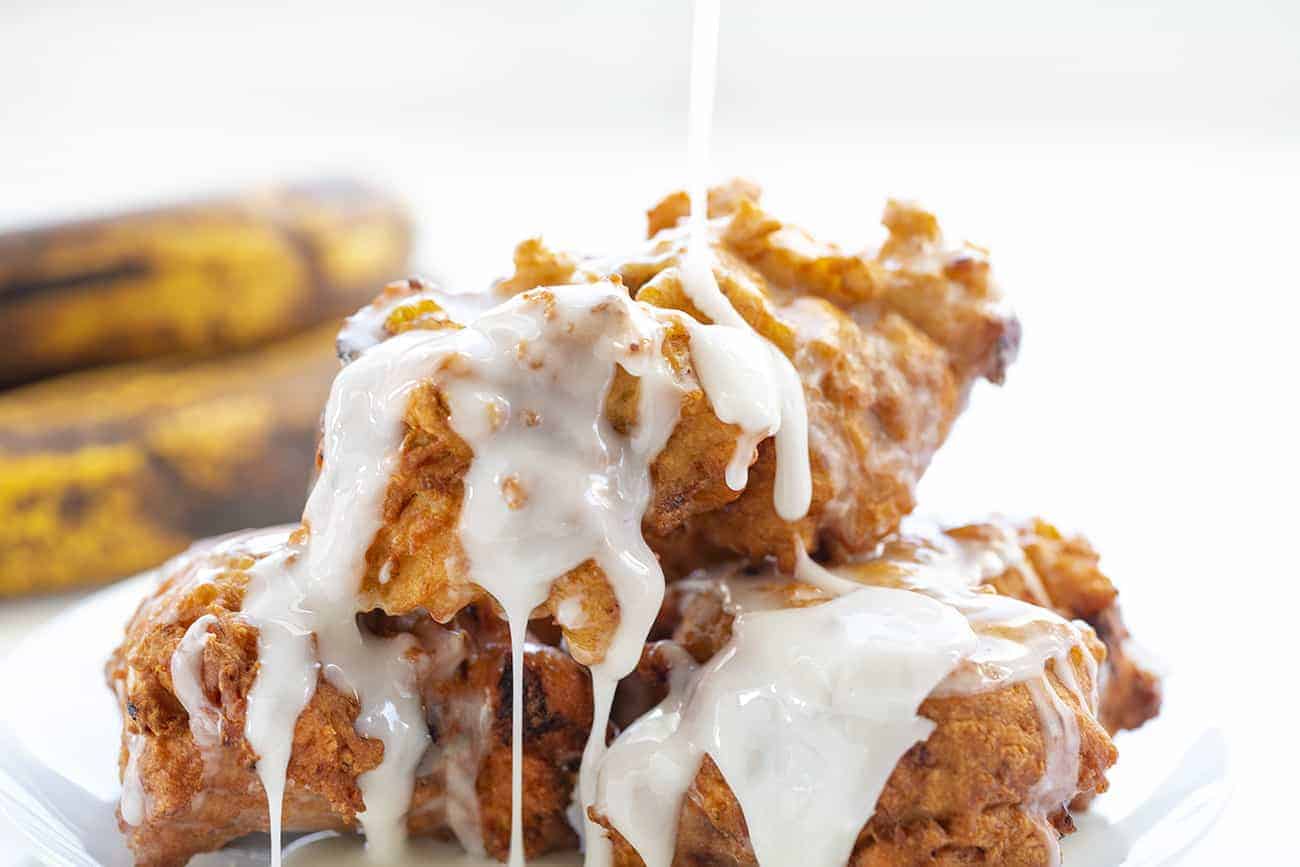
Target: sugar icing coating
525	385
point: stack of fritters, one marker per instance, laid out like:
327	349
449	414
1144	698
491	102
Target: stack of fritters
887	345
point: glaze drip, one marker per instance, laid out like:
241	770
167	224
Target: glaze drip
727	358
807	710
186	669
525	385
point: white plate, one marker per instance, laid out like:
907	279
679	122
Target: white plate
59	732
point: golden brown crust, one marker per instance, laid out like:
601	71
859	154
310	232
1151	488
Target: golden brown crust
1002	835
1077	588
887	344
960	796
198	800
417	548
885	375
537	265
954	799
417	540
711	828
957	795
944	290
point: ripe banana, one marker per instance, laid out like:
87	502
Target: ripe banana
198	278
107	472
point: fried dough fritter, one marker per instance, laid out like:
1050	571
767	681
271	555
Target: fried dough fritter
887	345
958	797
198	798
1073	585
955	794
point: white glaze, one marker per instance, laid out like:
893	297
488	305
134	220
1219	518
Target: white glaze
705	23
578	491
470	720
303	598
527	395
531	406
1017	644
518	629
586	488
187	684
749	384
991	642
584	485
805	712
287	671
201	563
379	671
752	385
809	571
1017	639
365	328
133	806
1061	769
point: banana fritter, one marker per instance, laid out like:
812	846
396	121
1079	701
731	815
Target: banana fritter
887	346
955	794
962	795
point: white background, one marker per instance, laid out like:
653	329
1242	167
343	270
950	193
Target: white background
1132	166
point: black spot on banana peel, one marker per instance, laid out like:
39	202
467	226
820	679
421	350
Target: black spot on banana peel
107	472
198	278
